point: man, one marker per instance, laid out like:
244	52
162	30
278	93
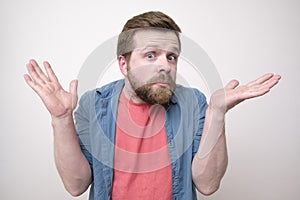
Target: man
139	138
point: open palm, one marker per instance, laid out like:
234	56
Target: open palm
58	101
232	94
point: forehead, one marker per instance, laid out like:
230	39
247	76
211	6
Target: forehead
156	38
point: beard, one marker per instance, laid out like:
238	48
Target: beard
153	95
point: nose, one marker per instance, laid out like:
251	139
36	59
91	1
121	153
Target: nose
163	64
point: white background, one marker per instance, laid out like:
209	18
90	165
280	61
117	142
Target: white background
244	39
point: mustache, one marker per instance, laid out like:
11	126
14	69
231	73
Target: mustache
161	78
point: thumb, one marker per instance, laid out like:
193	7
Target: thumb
232	84
73	91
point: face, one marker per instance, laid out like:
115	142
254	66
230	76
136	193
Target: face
151	70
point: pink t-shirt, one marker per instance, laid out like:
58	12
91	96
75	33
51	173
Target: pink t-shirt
142	167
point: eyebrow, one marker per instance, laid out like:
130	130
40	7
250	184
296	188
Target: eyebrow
171	49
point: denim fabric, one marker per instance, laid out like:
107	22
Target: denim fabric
95	120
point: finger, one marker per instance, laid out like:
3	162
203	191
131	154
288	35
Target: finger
262	86
50	72
38	70
260	90
232	84
73	90
35	77
28	79
261	79
272	82
32	84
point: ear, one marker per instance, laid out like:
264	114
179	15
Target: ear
122	65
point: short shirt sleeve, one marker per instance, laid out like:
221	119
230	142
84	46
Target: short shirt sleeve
82	125
199	118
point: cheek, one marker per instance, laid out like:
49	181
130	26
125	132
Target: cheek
136	60
144	72
173	73
140	74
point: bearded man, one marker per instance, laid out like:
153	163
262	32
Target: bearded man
142	137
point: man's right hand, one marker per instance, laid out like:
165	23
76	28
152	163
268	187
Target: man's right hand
72	165
59	102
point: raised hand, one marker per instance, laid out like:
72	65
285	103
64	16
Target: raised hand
224	99
59	102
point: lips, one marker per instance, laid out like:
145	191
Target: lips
162	84
162	81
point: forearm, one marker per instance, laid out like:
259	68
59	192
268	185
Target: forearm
210	162
71	164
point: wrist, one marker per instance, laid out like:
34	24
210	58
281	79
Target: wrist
65	119
215	113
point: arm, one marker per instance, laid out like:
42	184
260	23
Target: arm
71	164
210	162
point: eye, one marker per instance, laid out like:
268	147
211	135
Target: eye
171	57
150	55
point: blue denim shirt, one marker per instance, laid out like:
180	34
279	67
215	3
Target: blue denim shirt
96	124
